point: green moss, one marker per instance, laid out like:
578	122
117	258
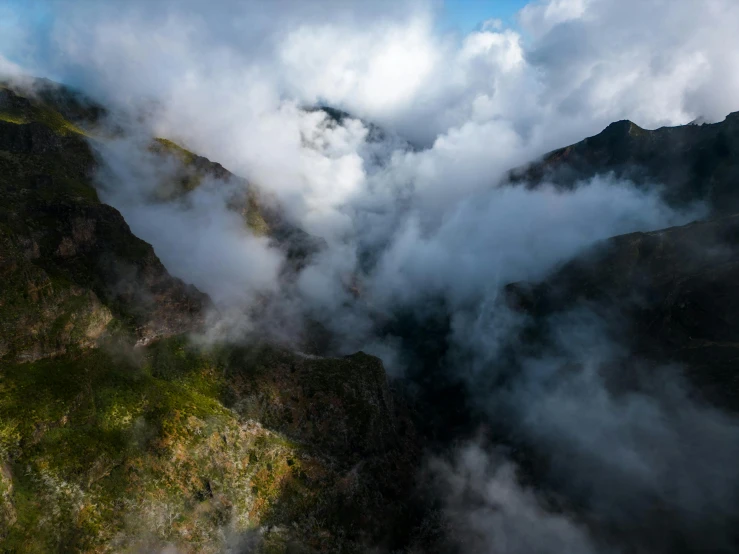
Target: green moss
56	121
254	218
12	118
42	114
166	145
139	443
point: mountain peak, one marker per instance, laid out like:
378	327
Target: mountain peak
622	127
693	163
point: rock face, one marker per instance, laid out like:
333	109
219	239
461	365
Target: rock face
674	292
303	402
71	264
117	435
693	162
29	138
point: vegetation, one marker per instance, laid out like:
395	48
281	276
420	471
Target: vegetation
20	112
192	170
110	446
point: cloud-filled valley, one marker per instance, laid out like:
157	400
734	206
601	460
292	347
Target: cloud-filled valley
390	143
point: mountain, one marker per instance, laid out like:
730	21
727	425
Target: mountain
673	293
692	162
71	264
654	318
261	211
120	433
632	340
116	432
673	290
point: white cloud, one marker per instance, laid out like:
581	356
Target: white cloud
197	237
8	68
228	79
493	512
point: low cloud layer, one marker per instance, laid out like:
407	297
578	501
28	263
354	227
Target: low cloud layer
408	196
197	236
625	442
492	511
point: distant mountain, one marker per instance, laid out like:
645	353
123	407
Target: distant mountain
338	117
665	304
261	211
692	162
658	317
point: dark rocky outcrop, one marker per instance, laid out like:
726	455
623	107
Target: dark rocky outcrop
673	293
692	162
29	138
64	250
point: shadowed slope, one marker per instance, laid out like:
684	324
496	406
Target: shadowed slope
692	162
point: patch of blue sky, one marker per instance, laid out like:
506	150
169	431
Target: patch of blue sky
17	19
465	16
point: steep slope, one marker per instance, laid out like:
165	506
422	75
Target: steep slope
693	162
107	453
640	333
261	212
673	294
67	111
71	264
117	435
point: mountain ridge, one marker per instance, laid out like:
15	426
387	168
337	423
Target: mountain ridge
144	440
119	434
694	163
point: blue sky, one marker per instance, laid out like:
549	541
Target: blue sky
461	16
466	15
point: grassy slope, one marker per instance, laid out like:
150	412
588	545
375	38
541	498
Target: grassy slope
194	169
108	451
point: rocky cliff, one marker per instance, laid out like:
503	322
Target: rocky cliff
692	162
673	294
118	435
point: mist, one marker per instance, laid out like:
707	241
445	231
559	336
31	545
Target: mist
408	195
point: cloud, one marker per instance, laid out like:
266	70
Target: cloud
418	212
198	235
659	63
8	68
227	81
491	511
645	461
509	234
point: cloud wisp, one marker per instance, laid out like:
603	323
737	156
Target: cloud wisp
407	195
